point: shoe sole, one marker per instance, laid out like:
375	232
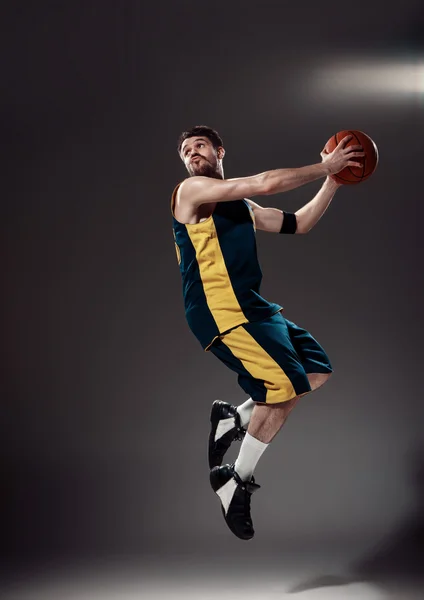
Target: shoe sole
214	420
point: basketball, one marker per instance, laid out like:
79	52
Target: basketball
352	175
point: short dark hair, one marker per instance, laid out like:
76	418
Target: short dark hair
202	130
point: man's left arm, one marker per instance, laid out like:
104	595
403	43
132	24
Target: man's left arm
272	219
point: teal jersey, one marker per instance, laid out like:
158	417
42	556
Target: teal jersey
221	275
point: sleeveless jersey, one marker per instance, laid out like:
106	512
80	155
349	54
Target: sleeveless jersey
221	275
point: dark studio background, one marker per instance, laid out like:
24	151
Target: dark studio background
106	393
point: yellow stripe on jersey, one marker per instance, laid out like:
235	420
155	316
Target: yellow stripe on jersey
219	292
260	365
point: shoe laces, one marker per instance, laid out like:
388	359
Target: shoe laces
241	432
246	487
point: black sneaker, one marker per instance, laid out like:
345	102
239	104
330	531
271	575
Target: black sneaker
235	499
217	449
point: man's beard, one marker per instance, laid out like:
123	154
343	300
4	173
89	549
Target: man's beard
204	168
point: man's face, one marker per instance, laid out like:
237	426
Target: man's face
200	157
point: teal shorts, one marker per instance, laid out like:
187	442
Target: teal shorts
272	358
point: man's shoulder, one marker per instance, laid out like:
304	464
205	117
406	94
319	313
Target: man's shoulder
189	186
195	181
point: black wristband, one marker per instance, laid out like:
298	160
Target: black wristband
289	223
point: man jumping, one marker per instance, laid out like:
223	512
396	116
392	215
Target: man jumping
277	362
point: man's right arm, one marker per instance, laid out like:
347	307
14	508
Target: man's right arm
203	190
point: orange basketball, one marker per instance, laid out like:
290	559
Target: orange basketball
351	175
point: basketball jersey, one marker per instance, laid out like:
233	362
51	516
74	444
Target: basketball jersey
221	275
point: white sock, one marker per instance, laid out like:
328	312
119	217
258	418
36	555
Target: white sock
250	452
245	411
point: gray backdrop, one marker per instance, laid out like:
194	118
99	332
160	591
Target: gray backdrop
106	393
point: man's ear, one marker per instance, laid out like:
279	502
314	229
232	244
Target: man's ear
220	153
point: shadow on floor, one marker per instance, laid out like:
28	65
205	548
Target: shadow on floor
398	559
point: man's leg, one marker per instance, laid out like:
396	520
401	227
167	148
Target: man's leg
228	422
234	484
265	422
267	419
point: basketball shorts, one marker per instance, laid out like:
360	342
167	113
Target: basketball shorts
272	358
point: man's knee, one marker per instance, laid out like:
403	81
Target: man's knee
316	380
285	405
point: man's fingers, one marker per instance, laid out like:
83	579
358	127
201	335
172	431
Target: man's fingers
352	163
354	151
344	141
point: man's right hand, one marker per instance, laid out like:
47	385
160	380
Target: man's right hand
342	157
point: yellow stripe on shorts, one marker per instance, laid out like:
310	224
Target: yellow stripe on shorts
260	365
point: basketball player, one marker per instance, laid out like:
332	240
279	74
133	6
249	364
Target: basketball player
277	362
